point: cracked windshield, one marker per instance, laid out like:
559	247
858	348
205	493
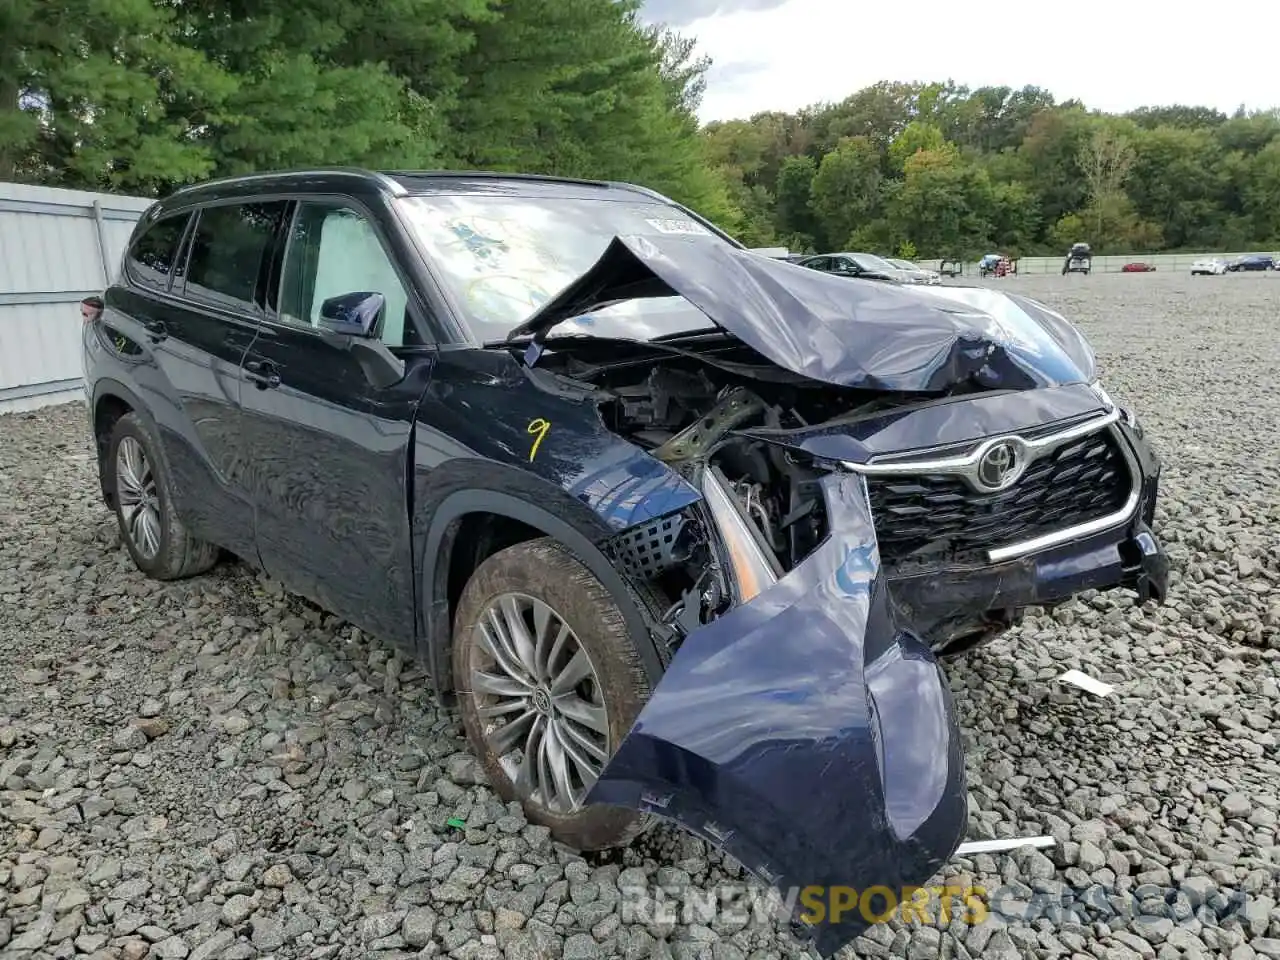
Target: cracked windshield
504	258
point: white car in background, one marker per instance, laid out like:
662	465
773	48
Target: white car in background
917	273
1208	266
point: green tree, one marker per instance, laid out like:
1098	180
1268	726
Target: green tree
578	88
96	95
1105	161
916	136
846	188
794	189
945	204
1262	194
1177	180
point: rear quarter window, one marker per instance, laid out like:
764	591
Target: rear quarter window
153	255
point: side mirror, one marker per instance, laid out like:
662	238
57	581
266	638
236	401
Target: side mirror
353	314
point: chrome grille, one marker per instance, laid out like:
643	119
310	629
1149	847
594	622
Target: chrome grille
940	517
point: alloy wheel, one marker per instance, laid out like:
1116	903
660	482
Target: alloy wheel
139	499
540	701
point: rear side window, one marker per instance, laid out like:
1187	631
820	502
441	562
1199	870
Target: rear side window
153	255
229	252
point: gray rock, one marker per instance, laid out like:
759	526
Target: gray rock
418	926
213	946
237	910
171	948
268	933
277	875
581	946
35	936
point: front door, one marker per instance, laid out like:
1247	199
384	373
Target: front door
327	449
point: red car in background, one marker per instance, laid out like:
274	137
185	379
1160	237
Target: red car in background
1138	267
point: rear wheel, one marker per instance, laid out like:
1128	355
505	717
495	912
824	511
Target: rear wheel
549	682
150	527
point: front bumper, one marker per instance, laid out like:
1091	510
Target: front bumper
810	734
947	602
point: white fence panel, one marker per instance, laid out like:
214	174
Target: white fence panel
56	247
1163	262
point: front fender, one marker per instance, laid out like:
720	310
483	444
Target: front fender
809	734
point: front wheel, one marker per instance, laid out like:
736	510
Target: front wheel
150	527
549	682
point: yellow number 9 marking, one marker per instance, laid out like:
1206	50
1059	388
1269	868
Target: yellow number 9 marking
537	428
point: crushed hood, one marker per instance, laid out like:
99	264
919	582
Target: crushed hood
852	333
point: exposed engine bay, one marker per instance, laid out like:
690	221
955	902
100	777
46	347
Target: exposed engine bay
720	409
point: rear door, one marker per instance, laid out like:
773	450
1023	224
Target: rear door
195	310
329	448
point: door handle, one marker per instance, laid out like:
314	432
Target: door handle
156	330
263	373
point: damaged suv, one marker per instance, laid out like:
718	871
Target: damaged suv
681	529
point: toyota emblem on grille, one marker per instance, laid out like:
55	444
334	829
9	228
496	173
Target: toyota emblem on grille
1000	465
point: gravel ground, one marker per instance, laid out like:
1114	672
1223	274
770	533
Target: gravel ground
213	769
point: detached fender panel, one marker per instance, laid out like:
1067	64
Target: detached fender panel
807	733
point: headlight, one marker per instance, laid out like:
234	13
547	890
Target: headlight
1102	395
1126	414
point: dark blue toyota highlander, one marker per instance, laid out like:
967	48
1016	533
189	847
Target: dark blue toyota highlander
681	530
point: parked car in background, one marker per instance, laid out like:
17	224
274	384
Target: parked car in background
862	266
681	530
1079	259
1252	261
951	268
1138	266
996	265
917	273
1208	266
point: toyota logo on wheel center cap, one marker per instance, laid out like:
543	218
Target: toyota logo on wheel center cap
1000	465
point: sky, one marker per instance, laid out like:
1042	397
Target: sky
785	54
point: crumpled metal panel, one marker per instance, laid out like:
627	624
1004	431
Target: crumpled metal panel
808	733
854	333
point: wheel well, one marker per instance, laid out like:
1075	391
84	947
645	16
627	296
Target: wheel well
106	412
480	536
471	536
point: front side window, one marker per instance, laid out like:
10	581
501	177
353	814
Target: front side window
334	250
228	260
152	257
502	257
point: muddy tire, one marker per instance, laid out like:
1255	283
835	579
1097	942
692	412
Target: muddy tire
136	473
537	732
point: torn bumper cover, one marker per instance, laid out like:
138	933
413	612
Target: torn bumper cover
807	733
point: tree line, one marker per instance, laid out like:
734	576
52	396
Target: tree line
141	96
939	170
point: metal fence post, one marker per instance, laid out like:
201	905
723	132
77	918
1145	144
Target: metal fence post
100	221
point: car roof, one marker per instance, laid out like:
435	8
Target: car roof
362	182
859	253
